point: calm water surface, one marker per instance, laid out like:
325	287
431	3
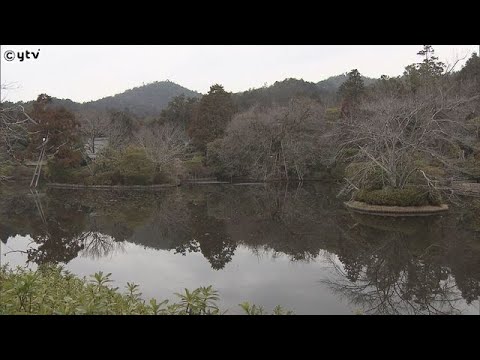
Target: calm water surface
296	246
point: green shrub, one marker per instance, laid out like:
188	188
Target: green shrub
6	169
332	114
398	197
373	176
130	166
135	167
60	174
196	168
52	291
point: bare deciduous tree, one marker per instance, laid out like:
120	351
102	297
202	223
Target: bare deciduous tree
14	122
120	129
388	134
163	144
273	143
94	124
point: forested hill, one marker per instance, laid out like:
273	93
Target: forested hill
149	100
282	91
143	101
146	100
279	93
334	82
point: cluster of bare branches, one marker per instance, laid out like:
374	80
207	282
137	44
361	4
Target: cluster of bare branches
97	245
119	128
163	144
387	135
281	142
389	279
93	125
14	122
392	298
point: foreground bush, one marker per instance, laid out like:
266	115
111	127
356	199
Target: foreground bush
52	290
6	169
129	166
398	197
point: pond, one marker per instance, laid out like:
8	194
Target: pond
277	244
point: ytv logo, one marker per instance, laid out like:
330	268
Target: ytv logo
10	55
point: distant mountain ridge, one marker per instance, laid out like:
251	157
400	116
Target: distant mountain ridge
334	82
142	101
146	100
280	93
150	99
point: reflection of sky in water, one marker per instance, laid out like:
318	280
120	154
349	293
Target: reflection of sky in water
250	243
262	280
265	278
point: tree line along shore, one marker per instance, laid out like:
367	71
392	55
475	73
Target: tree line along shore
392	141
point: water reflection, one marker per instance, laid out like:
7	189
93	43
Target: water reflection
378	265
392	266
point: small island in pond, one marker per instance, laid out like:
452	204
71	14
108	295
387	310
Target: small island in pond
410	201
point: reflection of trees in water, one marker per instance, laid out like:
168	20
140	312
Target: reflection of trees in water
212	220
393	266
412	266
206	233
62	249
278	218
64	230
58	237
281	218
166	224
98	245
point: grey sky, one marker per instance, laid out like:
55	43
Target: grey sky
89	72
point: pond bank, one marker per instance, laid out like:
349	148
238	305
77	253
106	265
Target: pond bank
110	187
161	186
396	210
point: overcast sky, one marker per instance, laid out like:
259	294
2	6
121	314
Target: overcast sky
89	72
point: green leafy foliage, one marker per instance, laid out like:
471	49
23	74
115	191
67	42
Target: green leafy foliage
51	290
129	166
252	309
134	166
